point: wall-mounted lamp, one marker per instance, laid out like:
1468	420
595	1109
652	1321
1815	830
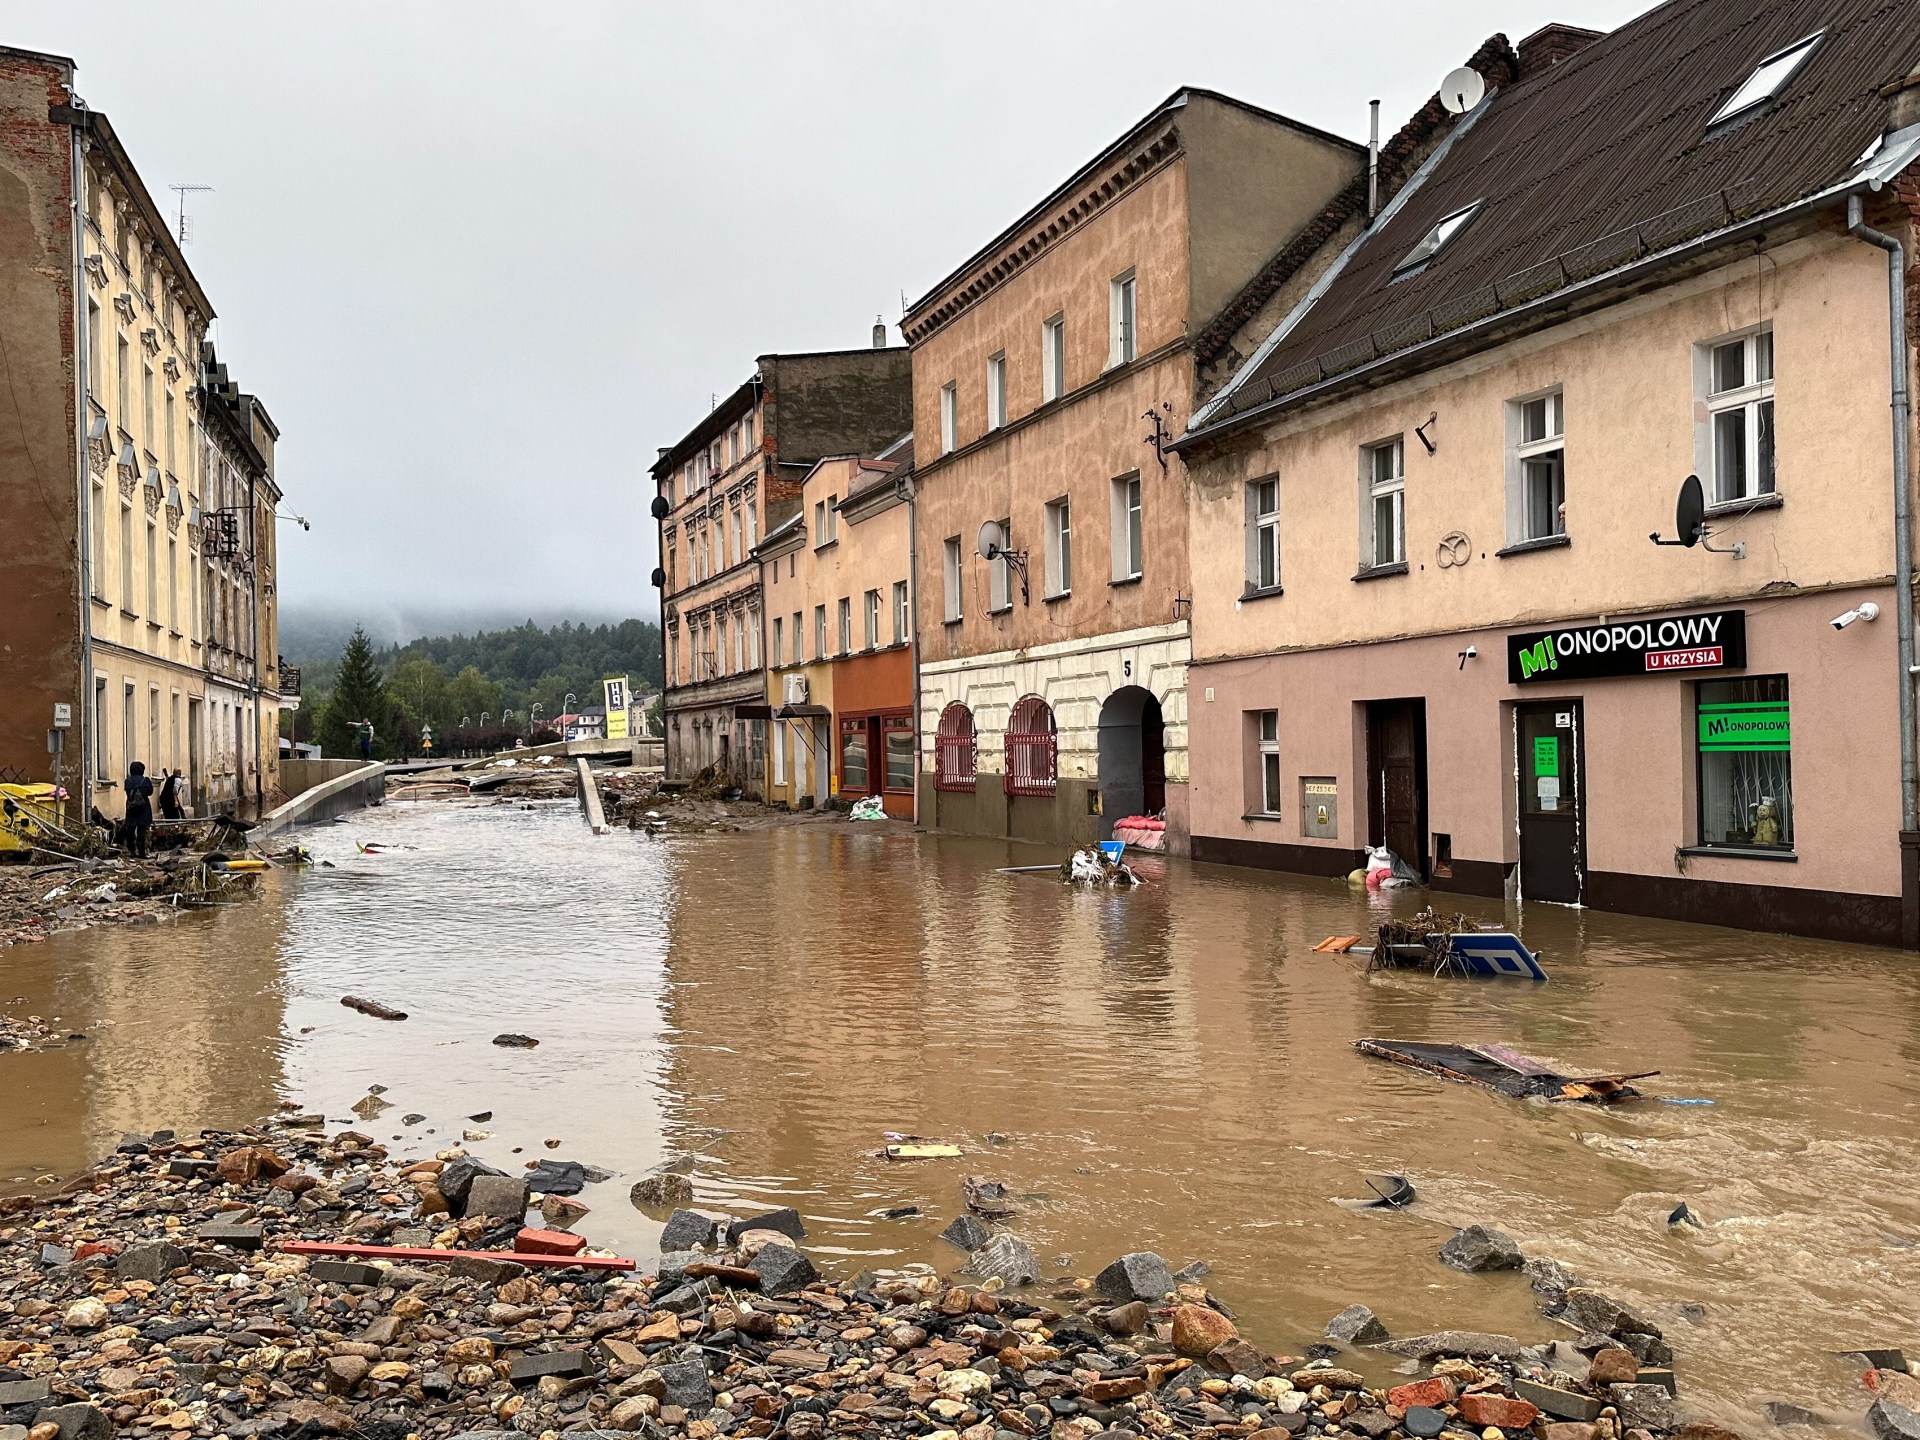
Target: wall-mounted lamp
1472	652
1421	431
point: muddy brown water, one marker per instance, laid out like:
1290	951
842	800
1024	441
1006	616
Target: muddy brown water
1170	1069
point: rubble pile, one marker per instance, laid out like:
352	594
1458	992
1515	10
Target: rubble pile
20	1033
153	1296
41	900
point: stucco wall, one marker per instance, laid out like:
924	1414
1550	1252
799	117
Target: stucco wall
1631	429
1639	752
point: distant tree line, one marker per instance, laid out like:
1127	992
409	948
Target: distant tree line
480	689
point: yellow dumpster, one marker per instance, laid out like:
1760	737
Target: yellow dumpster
27	812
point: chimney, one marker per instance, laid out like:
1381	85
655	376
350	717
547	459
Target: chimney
1903	102
879	333
1551	44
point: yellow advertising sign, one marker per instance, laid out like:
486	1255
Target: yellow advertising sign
616	689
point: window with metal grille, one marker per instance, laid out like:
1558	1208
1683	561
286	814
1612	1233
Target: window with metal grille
1033	755
955	756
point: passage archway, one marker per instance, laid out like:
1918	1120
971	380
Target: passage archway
1133	757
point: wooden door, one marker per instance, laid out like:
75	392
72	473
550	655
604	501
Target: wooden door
1397	779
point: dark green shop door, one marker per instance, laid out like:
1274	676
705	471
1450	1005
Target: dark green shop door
1552	801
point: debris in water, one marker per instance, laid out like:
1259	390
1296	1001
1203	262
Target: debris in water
918	1147
373	1008
515	1042
1683	1214
371	1107
482	1117
1498	1068
1094	867
987	1197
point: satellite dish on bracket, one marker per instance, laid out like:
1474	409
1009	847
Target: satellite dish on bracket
993	546
1690	521
1462	90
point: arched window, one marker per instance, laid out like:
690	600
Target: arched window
955	752
1033	755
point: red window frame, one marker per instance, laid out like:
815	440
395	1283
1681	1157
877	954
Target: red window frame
1033	749
956	751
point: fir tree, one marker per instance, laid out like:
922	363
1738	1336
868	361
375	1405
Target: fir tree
359	694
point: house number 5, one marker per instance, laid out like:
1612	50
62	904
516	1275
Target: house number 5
1126	668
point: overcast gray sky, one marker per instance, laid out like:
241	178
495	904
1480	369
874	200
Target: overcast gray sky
480	260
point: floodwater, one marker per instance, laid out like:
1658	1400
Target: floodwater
1169	1069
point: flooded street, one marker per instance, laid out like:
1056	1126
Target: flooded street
1171	1069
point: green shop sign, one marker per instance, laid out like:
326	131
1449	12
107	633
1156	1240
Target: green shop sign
1750	725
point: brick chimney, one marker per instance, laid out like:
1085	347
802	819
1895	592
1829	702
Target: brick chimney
1903	102
1551	44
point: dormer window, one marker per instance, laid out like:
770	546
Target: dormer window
1768	79
1436	239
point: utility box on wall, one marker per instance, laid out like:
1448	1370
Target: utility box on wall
1319	807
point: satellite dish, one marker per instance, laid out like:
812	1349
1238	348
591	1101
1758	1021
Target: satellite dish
1690	511
659	578
660	507
993	540
1462	90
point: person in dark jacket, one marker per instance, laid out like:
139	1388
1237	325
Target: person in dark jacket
170	807
139	792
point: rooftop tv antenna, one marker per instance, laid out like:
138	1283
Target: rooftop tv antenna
1462	90
186	221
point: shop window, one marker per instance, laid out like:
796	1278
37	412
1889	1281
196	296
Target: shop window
853	758
1032	749
1745	755
955	756
1739	443
897	738
1263	535
1536	468
1383	539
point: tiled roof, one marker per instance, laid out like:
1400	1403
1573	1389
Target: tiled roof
1604	158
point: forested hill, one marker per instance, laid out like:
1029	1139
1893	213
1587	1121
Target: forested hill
530	659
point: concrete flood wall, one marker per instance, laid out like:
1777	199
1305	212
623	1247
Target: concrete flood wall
322	789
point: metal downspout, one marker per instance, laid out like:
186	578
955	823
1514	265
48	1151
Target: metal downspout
81	792
1902	563
913	621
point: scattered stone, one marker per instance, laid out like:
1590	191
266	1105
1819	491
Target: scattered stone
1198	1330
1601	1314
1549	1277
24	1392
1424	1422
152	1262
1892	1421
1478	1248
1356	1325
1128	1319
967	1231
1645	1407
224	1232
1142	1275
561	1213
785	1221
1613	1366
502	1196
566	1363
689	1230
1004	1258
1509	1414
668	1189
783	1269
87	1314
1562	1404
687	1385
75	1422
514	1041
1192	1273
344	1272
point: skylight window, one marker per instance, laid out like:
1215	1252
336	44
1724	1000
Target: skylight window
1435	239
1769	78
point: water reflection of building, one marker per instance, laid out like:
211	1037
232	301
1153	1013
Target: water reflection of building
185	1020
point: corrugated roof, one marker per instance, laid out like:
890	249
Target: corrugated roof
1603	158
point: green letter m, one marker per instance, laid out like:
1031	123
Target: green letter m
1539	658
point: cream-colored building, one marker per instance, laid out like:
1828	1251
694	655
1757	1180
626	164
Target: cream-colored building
1430	616
113	549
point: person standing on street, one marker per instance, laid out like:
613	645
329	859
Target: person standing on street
139	792
170	807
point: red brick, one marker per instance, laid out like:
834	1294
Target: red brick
1432	1393
1499	1410
549	1242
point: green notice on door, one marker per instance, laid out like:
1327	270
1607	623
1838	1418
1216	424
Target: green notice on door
1546	755
1750	725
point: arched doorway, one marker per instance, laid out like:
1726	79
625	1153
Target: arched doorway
1133	757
